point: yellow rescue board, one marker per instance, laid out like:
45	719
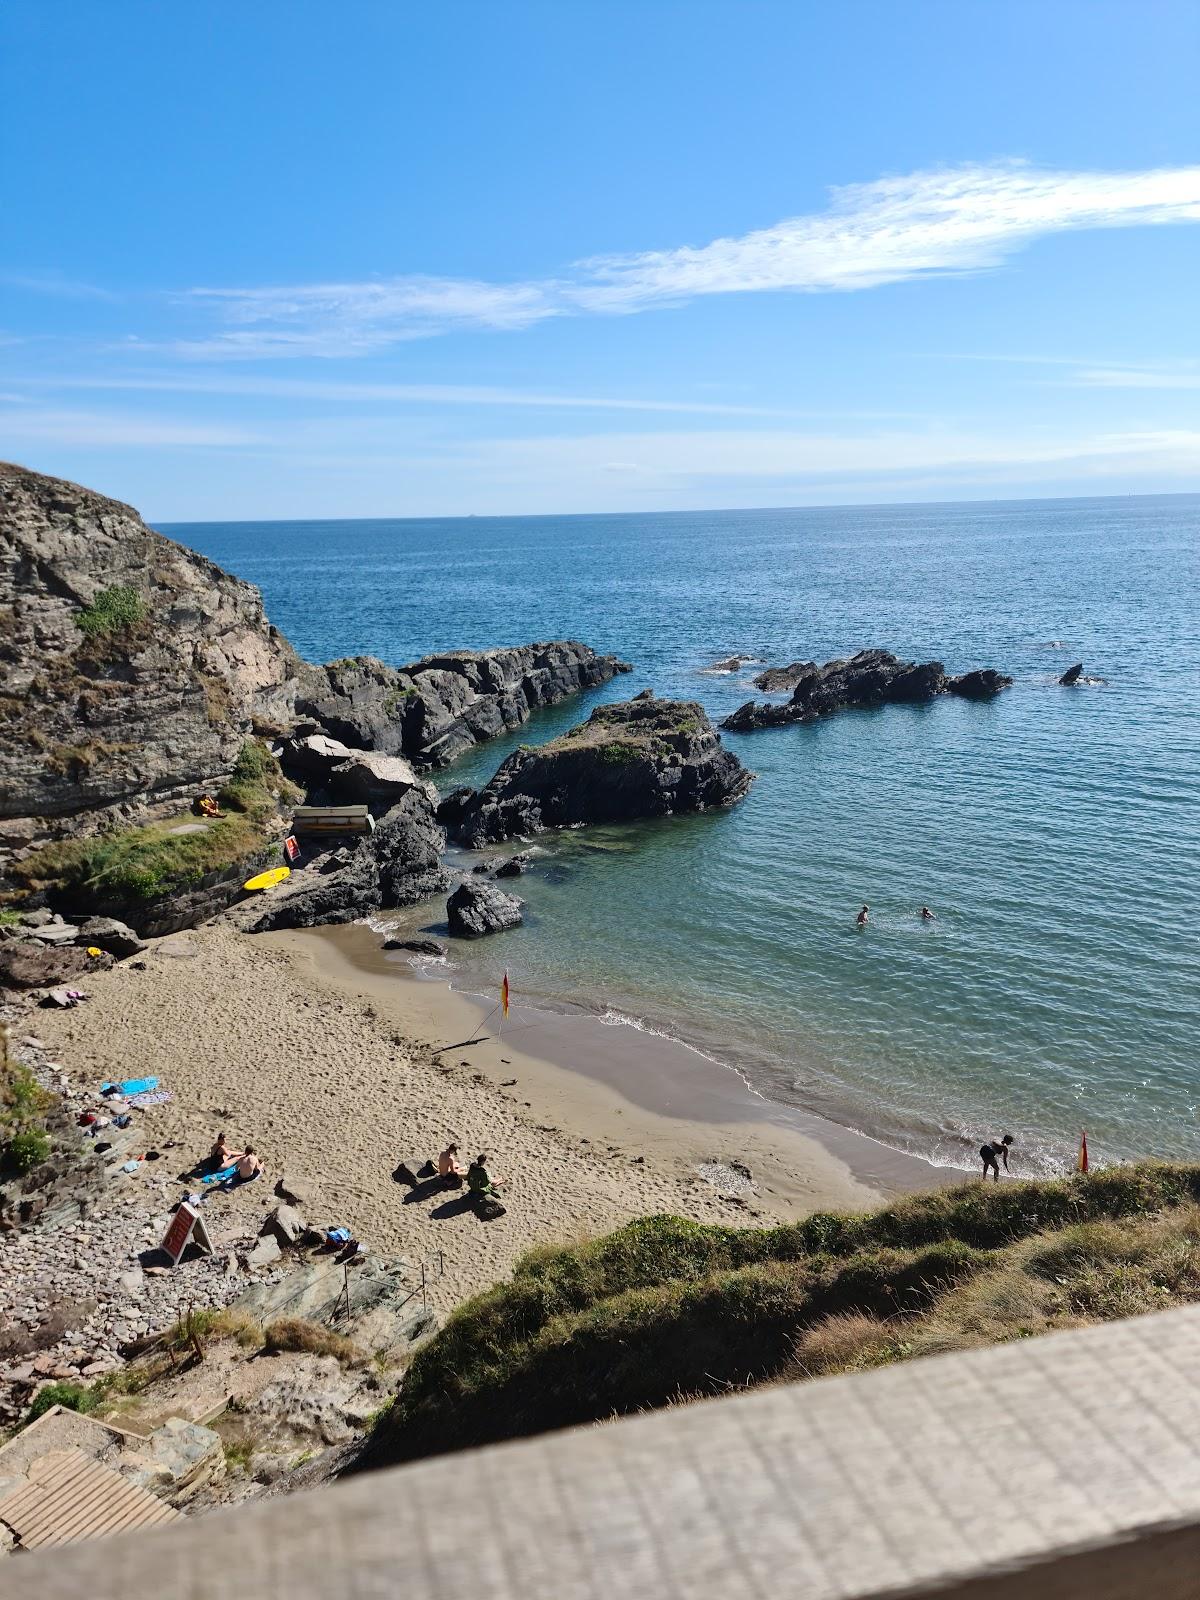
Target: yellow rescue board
268	880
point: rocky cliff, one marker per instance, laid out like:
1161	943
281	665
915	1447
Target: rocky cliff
871	678
637	758
133	670
137	674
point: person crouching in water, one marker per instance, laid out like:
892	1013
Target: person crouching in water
992	1154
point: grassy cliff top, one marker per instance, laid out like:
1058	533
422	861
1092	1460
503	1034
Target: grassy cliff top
665	1310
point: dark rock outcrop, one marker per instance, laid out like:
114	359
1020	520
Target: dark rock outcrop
477	908
396	865
1072	675
730	664
871	678
29	964
782	680
514	866
441	705
420	947
636	758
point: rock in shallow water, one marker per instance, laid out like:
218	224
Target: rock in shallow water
636	758
477	908
871	678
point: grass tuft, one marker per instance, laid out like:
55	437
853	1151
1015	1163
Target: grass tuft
112	611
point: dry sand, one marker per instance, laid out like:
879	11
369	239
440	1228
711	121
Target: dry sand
325	1055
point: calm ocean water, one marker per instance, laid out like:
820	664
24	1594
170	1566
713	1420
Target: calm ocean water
1054	831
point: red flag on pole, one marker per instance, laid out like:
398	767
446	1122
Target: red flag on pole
1083	1155
504	994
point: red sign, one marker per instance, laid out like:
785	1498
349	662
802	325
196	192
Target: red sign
185	1225
291	847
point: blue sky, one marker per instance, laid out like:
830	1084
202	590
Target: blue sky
294	259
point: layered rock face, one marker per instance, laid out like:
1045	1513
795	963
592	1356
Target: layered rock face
638	758
133	670
441	705
871	678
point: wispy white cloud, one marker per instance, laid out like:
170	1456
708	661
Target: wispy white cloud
1175	376
50	281
89	428
928	224
420	394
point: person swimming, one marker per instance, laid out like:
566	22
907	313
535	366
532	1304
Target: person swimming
863	917
927	915
992	1153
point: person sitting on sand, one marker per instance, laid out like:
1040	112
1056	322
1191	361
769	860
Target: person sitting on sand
447	1165
478	1180
248	1165
927	915
220	1155
862	918
993	1153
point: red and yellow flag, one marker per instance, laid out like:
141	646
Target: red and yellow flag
1083	1155
504	994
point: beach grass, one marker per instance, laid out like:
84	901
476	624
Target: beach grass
665	1310
145	862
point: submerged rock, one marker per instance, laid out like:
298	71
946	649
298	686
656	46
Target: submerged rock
514	866
477	908
420	947
635	758
871	678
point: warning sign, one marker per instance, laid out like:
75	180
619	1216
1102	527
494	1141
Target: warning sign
291	847
187	1226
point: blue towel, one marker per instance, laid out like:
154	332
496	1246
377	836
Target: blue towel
222	1176
130	1086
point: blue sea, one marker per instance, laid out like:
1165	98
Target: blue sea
1053	831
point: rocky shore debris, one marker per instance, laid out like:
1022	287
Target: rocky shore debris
634	758
871	678
477	908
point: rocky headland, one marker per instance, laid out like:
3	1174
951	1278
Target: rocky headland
871	678
635	758
139	677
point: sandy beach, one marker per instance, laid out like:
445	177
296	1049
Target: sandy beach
336	1061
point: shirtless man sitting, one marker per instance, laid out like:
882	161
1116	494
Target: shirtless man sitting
248	1165
447	1165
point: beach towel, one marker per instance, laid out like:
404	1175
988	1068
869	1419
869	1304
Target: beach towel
157	1098
220	1177
130	1086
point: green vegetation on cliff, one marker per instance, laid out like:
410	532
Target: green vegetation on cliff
112	611
143	863
665	1310
24	1143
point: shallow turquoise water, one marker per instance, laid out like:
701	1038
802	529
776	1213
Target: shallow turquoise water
1053	831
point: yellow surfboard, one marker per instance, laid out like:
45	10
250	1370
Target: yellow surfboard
268	880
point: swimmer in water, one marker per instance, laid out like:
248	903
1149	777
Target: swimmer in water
861	920
927	915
